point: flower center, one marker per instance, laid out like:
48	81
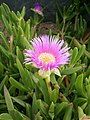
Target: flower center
46	57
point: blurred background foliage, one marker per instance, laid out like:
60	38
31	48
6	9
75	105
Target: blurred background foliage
23	93
50	7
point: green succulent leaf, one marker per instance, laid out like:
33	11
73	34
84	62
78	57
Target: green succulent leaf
5	79
19	54
74	55
80	113
38	116
51	111
88	95
79	86
5	116
23	12
71	70
21	70
42	108
54	95
7	25
16	84
59	107
8	100
4	41
80	53
68	113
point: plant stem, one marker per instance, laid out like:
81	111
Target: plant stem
48	84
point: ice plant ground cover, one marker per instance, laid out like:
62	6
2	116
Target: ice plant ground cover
44	76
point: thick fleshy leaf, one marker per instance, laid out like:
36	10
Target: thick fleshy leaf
88	95
71	70
68	112
4	40
16	84
3	82
79	86
80	53
8	100
80	113
38	116
23	12
51	111
42	108
19	54
16	115
54	95
27	29
59	107
21	70
5	116
7	25
74	55
40	83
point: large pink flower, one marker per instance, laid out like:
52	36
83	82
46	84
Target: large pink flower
48	53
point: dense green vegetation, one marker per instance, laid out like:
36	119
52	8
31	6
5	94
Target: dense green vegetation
23	93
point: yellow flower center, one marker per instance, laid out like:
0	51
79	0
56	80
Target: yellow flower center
46	57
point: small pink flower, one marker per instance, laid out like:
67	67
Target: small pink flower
48	53
38	8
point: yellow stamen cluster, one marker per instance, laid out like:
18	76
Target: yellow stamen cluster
46	57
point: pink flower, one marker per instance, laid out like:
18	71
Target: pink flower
48	53
38	8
